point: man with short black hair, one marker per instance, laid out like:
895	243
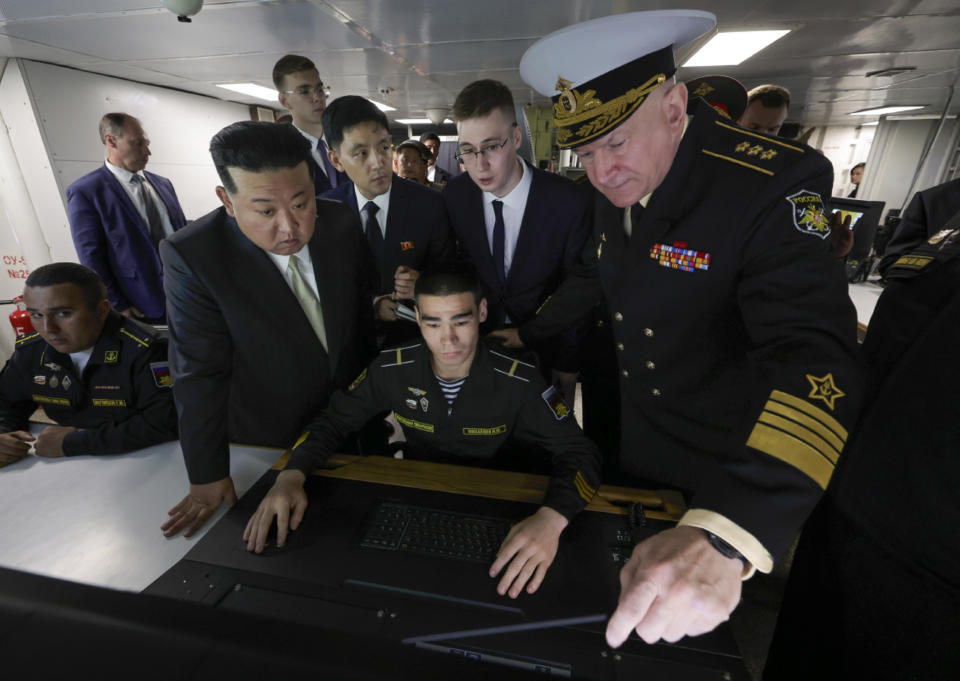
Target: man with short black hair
435	173
101	376
413	158
118	215
302	93
457	401
767	108
406	225
269	307
523	228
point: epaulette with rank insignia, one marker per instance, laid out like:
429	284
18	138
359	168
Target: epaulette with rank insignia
511	366
140	335
27	339
762	153
395	357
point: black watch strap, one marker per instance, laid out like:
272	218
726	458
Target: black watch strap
725	548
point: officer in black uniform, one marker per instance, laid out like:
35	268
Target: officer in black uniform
459	401
874	590
102	376
733	329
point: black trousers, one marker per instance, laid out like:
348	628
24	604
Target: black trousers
854	610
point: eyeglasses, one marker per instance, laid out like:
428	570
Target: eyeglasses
307	91
487	151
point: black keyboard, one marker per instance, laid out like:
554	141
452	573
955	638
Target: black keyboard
427	531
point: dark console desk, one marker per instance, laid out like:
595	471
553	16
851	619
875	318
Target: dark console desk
324	577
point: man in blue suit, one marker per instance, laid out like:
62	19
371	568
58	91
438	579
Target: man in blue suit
405	223
119	213
301	92
523	228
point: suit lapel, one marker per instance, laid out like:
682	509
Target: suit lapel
529	240
121	197
396	218
475	233
173	209
328	271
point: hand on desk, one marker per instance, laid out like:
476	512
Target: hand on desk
286	495
403	280
50	440
510	337
674	585
14	446
198	506
529	548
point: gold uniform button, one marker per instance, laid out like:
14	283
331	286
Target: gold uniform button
626	374
620	346
655	392
618	317
650	365
648	333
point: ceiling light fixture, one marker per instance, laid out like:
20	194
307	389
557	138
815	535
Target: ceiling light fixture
418	121
381	105
733	47
251	90
883	110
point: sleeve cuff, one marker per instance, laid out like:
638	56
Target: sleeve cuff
744	542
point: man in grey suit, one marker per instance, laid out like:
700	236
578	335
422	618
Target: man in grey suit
269	306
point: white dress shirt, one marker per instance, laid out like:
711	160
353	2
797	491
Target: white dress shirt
514	204
123	177
306	268
383	204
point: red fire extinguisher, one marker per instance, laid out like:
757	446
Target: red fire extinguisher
19	318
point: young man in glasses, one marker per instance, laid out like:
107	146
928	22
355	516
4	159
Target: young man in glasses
301	92
522	228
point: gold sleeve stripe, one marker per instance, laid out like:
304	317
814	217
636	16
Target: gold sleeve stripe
513	367
584	494
300	440
399	360
542	304
818	414
739	162
804	420
789	449
139	340
741	131
23	339
586	485
802	433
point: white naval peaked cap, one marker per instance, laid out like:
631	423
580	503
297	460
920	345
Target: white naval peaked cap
598	72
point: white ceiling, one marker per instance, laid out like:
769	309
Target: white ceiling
424	51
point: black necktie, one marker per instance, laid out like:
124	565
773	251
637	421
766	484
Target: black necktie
499	236
372	228
154	220
636	214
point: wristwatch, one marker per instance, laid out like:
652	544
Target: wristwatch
725	548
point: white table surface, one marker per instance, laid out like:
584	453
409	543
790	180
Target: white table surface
864	296
96	519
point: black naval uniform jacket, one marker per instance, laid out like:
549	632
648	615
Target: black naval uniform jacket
734	331
502	399
121	402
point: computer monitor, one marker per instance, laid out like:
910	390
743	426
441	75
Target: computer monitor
864	219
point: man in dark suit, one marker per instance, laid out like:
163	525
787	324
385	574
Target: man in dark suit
522	228
118	215
405	223
927	213
268	306
301	92
435	173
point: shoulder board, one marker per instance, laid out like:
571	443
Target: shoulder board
941	247
511	366
27	339
137	336
399	356
762	153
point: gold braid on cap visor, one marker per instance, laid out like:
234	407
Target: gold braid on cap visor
573	108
